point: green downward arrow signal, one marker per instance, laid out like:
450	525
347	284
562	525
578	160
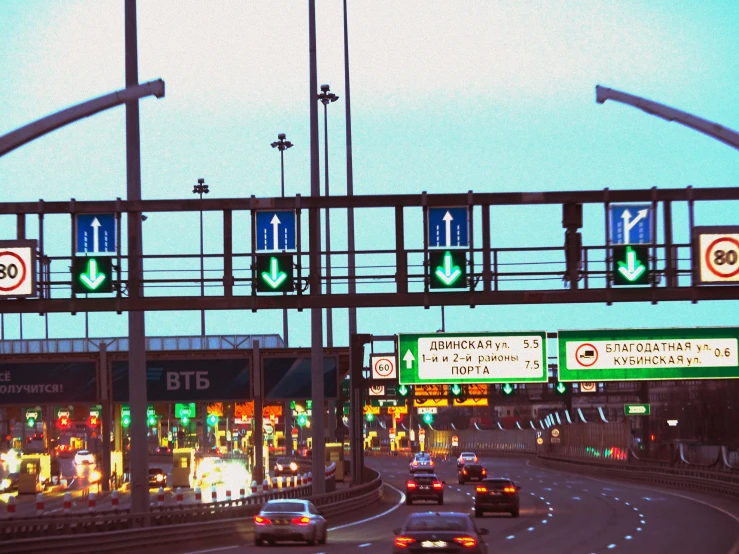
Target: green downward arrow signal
632	268
92	279
402	390
456	390
275	277
507	388
448	273
561	388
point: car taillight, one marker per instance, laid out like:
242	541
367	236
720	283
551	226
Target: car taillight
301	520
410	485
464	471
437	485
475	459
415	462
509	489
481	489
403	542
431	462
259	520
484	471
466	542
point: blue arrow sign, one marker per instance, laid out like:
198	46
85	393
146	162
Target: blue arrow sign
448	228
631	224
96	233
275	231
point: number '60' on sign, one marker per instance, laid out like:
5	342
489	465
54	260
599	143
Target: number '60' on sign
717	254
383	366
17	268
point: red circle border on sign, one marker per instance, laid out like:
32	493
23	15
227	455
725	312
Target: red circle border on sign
23	267
708	258
578	350
380	360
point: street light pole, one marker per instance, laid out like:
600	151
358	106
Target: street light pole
281	144
326	98
200	189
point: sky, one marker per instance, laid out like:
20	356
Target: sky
489	96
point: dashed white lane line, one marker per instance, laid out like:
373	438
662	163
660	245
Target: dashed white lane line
364	545
221	549
378	516
509	537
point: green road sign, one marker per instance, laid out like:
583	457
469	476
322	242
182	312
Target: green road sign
473	358
630	265
636	409
649	354
274	272
507	389
66	411
125	416
447	269
92	274
181	410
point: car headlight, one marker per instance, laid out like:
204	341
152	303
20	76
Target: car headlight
94	476
160	477
279	467
5	484
293	466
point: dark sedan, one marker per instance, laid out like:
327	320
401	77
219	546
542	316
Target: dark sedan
497	495
424	487
471	472
157	477
439	532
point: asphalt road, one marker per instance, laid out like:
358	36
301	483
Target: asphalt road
561	513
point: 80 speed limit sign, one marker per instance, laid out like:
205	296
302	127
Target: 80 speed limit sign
717	254
17	268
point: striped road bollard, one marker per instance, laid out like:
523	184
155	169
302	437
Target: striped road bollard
265	485
160	496
114	500
11	505
40	504
295	481
179	496
198	495
310	477
279	482
213	494
254	487
300	480
67	502
91	501
228	495
242	492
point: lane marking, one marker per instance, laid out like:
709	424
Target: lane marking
213	549
365	545
378	516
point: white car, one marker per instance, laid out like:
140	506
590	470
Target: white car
466	458
84	457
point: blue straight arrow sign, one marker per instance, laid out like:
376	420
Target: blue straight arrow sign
448	227
95	233
275	231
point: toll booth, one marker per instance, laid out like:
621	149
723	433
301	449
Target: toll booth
116	468
34	471
183	467
335	454
371	441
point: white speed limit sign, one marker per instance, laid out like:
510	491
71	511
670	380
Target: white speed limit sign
718	254
17	268
383	366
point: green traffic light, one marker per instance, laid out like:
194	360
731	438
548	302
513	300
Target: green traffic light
212	419
302	420
630	265
456	390
370	417
152	421
447	269
507	389
126	420
274	273
561	388
92	274
31	421
403	390
428	418
185	420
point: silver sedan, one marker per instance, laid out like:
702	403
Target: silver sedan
289	520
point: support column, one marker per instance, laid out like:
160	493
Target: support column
106	415
258	429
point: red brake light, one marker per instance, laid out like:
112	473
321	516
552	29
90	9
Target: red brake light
437	485
415	462
475	459
411	485
403	542
259	520
509	489
481	489
464	471
301	520
467	542
484	471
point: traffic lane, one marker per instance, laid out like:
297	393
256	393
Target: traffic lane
668	521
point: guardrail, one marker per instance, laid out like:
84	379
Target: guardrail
123	531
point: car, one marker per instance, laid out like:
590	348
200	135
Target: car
157	477
497	495
83	457
289	520
210	469
13	460
439	532
163	450
9	482
421	462
285	466
471	472
466	458
424	487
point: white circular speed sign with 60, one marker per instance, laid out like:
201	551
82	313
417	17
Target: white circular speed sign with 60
719	257
383	366
16	269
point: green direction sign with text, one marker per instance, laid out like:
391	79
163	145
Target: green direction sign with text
447	269
630	265
637	409
92	274
274	272
459	358
648	354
